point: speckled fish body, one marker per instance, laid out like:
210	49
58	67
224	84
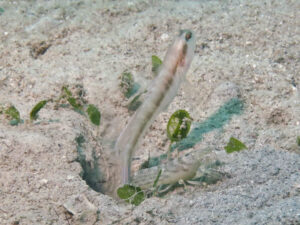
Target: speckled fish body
162	91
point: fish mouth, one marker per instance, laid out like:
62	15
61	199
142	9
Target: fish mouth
188	34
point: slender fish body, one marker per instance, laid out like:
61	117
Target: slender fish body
162	91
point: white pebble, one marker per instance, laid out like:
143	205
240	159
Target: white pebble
164	37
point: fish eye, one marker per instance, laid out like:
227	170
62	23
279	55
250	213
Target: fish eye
188	35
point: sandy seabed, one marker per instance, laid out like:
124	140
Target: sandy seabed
252	47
